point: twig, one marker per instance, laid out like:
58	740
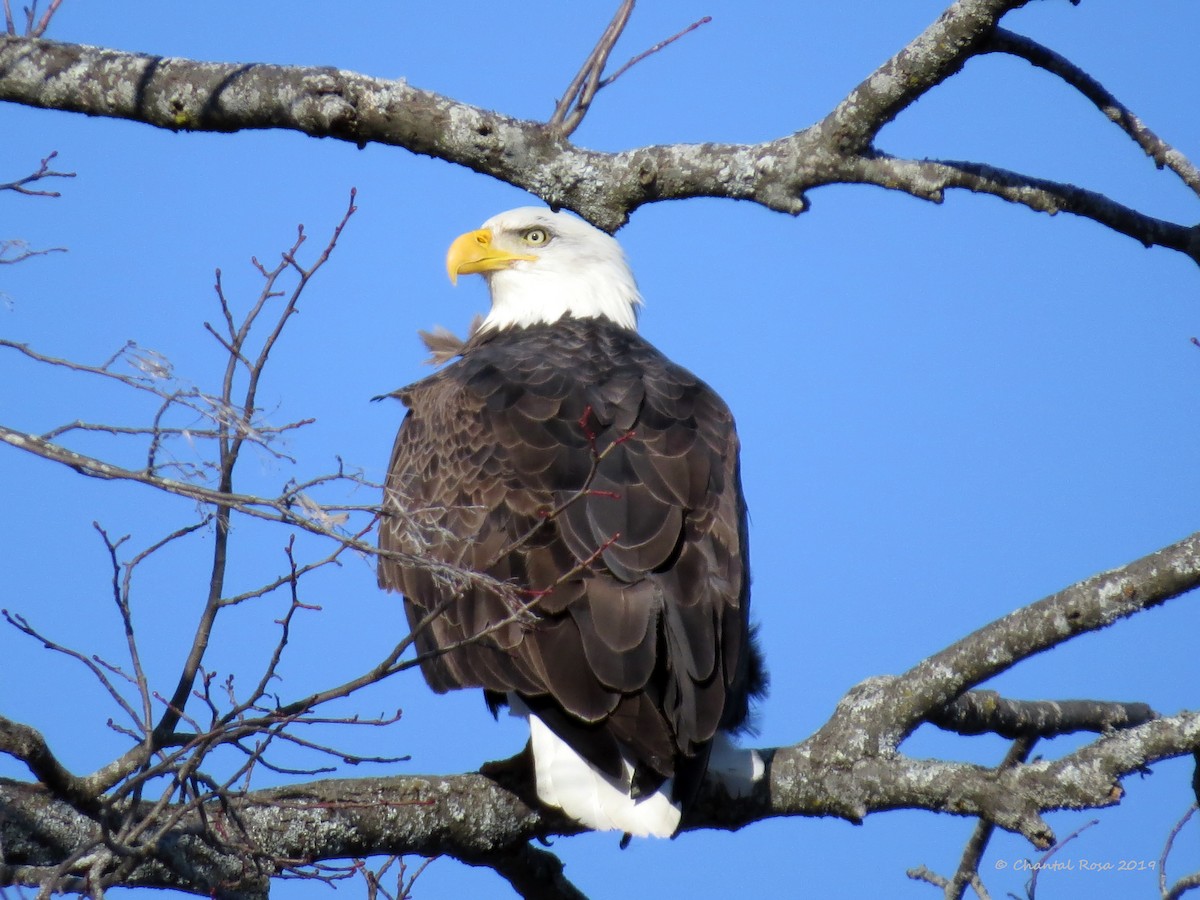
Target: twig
577	99
23	252
579	93
1186	883
43	169
268	509
659	46
1031	884
40	29
230	444
22	624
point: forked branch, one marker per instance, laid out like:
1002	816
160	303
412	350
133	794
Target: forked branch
602	187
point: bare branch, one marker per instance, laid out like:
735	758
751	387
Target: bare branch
40	28
95	666
1088	605
22	251
27	744
230	443
1188	882
534	874
602	187
1004	41
577	98
43	171
986	712
268	509
655	49
1040	865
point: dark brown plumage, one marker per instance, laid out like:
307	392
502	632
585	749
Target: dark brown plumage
575	461
597	484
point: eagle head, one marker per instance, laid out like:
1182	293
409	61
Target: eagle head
542	265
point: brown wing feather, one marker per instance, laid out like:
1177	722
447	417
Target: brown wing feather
575	461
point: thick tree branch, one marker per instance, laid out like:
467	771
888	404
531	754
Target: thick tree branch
603	187
475	819
967	873
27	744
930	178
849	769
933	56
882	711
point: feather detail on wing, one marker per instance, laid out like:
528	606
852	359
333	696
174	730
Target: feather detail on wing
574	461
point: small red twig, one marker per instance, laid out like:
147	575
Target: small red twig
585	428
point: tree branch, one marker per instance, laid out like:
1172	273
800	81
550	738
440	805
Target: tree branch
577	98
1004	41
849	769
967	873
604	188
929	59
476	820
986	712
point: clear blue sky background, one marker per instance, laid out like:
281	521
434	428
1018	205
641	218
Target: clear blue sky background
947	411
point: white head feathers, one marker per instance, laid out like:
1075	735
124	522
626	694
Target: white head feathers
542	265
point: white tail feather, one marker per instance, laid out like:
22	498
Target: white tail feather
568	781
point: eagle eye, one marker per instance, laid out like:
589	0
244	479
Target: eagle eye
536	237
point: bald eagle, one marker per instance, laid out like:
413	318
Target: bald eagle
563	455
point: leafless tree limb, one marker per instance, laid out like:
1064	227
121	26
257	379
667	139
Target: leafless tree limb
278	509
633	61
34	27
1188	882
42	172
534	874
986	712
603	187
577	98
13	250
1005	41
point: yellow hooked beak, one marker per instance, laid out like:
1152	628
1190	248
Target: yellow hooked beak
473	252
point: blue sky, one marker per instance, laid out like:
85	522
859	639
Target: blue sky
947	412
